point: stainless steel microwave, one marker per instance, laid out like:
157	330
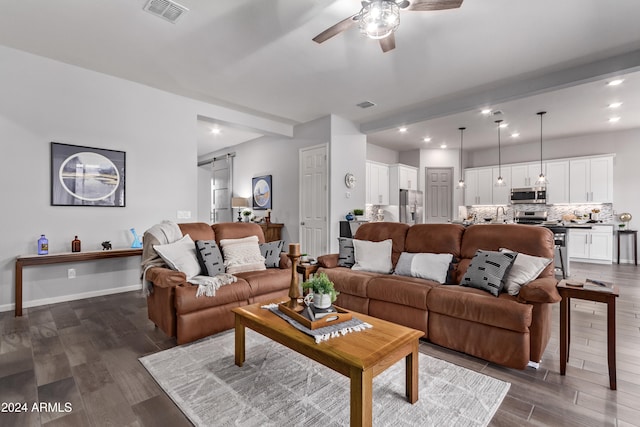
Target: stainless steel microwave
537	195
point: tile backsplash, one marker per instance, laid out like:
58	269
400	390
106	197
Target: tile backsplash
555	212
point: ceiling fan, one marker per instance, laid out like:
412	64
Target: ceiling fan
378	19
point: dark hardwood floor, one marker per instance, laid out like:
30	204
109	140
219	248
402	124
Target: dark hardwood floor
85	353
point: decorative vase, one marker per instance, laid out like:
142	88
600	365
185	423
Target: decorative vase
43	245
246	218
137	243
349	217
321	300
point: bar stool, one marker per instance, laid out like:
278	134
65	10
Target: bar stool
633	233
560	242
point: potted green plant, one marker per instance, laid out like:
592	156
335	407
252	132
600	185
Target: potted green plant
359	214
324	293
246	214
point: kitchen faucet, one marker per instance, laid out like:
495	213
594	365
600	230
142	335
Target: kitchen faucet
504	212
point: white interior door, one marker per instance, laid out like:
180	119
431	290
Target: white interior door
221	190
439	194
314	200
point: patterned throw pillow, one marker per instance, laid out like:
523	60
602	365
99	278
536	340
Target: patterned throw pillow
209	257
242	255
346	256
271	253
487	270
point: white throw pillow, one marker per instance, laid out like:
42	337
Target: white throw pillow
373	256
180	256
242	255
431	266
524	269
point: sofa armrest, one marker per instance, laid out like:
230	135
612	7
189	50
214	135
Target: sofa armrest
540	290
328	261
285	261
166	278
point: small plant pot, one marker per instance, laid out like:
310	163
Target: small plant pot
322	300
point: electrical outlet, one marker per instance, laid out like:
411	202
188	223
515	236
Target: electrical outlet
71	273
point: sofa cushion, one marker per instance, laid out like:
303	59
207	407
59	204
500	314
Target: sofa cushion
209	257
476	305
349	281
524	269
426	266
237	230
409	291
197	230
180	256
271	252
435	238
487	271
379	231
373	256
242	255
186	301
346	257
266	281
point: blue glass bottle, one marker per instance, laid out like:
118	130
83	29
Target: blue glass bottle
43	245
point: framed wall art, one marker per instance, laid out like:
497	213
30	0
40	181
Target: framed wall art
262	192
85	176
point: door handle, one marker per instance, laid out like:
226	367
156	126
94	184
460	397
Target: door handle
302	223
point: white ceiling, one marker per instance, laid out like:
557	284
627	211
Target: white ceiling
257	56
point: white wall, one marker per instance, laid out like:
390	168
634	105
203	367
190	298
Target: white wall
382	155
43	101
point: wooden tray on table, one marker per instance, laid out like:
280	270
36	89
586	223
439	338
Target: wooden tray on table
341	315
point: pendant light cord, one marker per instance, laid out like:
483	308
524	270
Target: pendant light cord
541	113
499	150
461	139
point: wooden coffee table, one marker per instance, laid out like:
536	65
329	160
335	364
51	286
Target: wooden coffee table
359	355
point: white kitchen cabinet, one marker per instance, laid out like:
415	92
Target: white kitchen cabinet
377	176
591	180
401	177
478	186
525	174
594	245
501	195
557	173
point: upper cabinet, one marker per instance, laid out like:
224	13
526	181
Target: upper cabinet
557	173
478	186
591	180
525	175
401	177
377	189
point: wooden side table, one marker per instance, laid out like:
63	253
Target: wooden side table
567	292
306	270
633	233
272	231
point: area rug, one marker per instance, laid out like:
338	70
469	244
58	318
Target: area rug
278	387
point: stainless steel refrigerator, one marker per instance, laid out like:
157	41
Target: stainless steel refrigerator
411	206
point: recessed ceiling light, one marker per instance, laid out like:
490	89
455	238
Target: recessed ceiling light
215	131
486	111
402	129
426	139
515	135
504	125
614	119
615	105
615	82
443	145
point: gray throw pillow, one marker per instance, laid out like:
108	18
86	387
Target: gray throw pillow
346	257
487	270
271	253
209	257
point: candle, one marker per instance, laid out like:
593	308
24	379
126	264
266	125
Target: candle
294	248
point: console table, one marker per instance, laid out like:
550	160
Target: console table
272	231
24	260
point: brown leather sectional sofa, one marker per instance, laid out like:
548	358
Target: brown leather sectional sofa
173	305
507	330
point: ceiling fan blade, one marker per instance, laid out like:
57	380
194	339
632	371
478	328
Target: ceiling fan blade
341	26
388	43
421	5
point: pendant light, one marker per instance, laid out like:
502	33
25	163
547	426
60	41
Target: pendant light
499	182
542	180
461	180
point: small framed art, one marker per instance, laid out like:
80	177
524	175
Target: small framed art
262	192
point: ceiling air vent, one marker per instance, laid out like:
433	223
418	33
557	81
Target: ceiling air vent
365	104
165	9
496	113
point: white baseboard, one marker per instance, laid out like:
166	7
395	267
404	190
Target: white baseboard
72	297
534	365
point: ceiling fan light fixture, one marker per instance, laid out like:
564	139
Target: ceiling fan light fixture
379	19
